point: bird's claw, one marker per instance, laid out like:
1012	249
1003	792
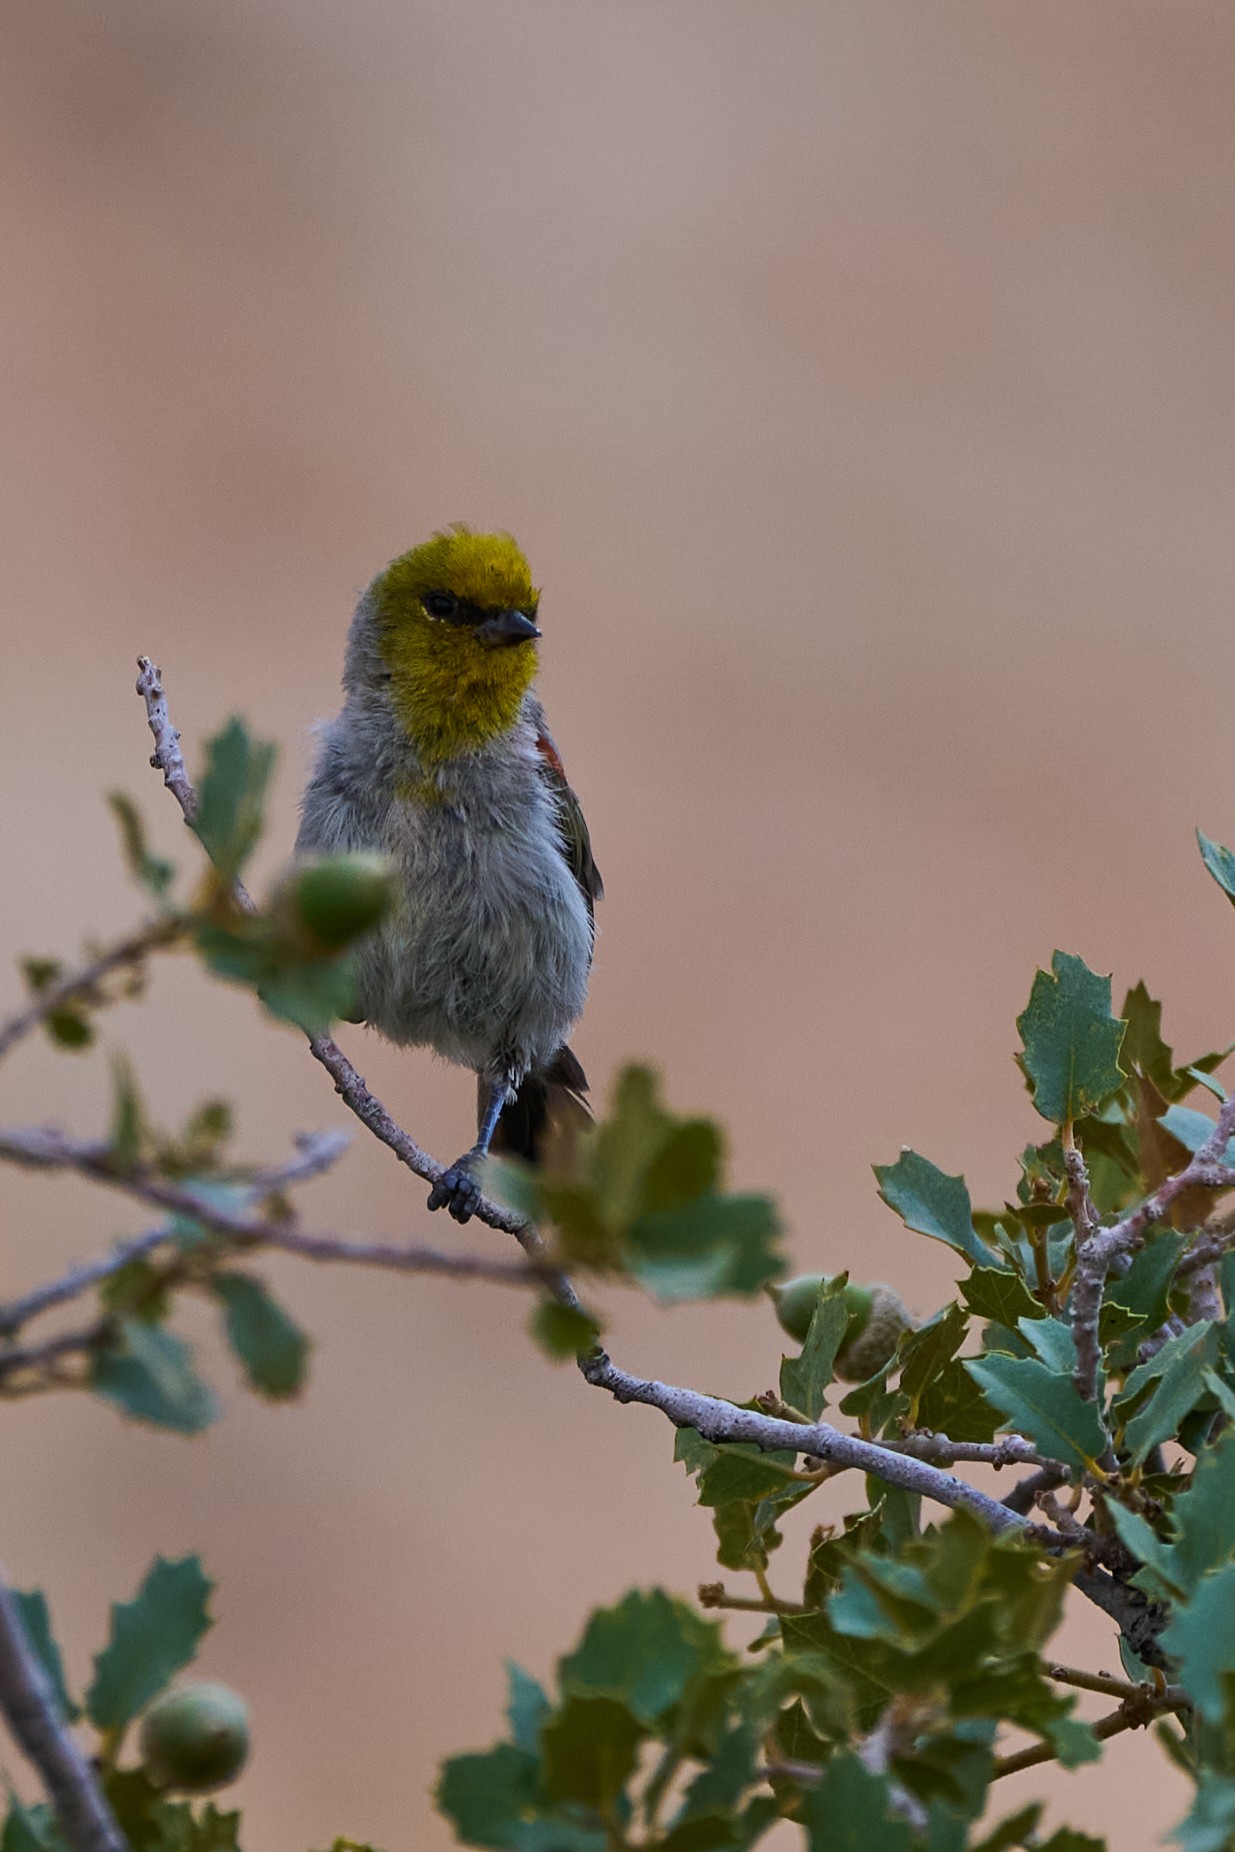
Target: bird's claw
457	1190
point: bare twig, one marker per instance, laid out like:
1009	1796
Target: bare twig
44	1148
1133	1714
30	1708
1024	1495
1009	1450
715	1595
316	1152
167	756
83	986
1099	1681
721	1421
78	1280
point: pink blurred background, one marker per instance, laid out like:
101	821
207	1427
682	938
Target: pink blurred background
859	381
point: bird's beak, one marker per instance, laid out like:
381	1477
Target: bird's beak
507	627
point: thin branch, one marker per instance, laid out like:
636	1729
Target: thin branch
714	1595
30	1708
1133	1714
44	1148
316	1152
721	1421
1101	1681
78	1280
82	986
1010	1450
1024	1495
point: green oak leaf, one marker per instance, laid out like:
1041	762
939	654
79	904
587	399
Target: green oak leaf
1042	1404
232	797
932	1203
1071	1041
272	1349
148	1372
152	1637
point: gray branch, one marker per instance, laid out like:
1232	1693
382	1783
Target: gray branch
30	1709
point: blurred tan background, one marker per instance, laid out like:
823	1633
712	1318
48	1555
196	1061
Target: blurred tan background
859	380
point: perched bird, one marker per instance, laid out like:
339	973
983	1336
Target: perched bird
442	761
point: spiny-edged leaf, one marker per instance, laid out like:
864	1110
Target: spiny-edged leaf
996	1293
1204	1515
952	1403
232	796
1157	1576
1178	1375
488	1796
1043	1405
1201	1636
1051	1342
804	1379
643	1653
686	1166
148	1372
588	1750
1210	1825
932	1203
921	1354
1220	863
850	1811
714	1245
1013	1831
735	1469
36	1620
526	1707
563	1331
1071	1040
1143	1289
271	1348
151	1638
181	1829
152	871
1143	1045
626	1143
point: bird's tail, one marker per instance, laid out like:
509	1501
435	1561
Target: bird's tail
546	1115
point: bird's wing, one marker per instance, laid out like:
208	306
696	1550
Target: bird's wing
576	843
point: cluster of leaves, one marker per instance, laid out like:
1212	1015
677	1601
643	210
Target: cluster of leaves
641	1197
296	952
871	1707
660	1736
931	1641
139	1363
151	1638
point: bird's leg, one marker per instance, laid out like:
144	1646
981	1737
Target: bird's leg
457	1188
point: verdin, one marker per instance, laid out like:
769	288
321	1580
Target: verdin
442	761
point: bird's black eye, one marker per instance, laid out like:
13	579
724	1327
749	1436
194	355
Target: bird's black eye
440	604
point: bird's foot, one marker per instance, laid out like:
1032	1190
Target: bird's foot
457	1189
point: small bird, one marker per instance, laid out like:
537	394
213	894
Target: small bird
441	760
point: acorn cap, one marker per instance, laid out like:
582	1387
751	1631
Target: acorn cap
195	1738
866	1350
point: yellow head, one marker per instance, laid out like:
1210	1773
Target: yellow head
456	629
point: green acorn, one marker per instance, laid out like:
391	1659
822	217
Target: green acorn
195	1738
795	1301
338	898
865	1350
